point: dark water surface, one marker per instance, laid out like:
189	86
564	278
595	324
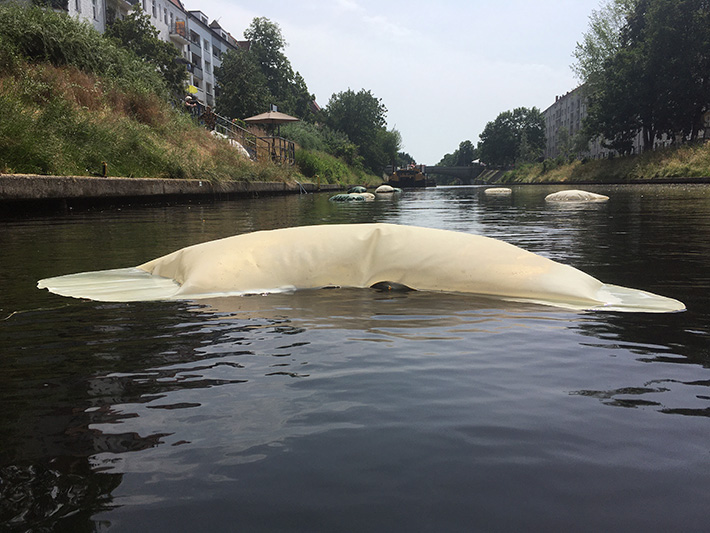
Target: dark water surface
358	410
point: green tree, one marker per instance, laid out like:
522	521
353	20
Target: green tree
676	41
658	81
516	136
287	88
136	33
602	40
404	159
465	154
361	116
242	86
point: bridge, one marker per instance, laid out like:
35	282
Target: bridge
467	175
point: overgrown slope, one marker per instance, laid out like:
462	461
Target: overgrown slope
71	100
687	161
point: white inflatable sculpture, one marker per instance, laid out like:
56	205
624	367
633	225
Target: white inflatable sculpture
574	195
357	255
387	189
498	191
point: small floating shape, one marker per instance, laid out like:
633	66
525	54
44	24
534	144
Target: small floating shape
353	197
358	256
498	191
574	195
357	188
387	189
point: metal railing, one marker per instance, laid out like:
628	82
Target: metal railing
178	27
276	149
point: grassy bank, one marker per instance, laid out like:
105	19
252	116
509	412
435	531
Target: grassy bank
61	121
73	100
691	161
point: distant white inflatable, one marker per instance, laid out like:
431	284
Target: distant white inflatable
387	189
498	191
357	255
574	195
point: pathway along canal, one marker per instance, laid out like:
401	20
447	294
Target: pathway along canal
357	410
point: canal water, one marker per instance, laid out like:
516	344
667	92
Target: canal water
359	410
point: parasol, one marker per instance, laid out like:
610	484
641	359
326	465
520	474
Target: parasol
271	117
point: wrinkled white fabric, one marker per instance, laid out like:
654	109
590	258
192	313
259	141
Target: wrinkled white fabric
574	195
360	255
498	191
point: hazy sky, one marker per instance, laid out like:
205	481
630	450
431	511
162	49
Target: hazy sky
442	68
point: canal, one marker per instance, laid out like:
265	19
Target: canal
359	410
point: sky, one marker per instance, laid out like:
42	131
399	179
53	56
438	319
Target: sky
442	68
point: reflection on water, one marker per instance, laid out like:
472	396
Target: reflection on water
359	410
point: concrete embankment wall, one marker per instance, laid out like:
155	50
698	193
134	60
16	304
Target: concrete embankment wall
24	188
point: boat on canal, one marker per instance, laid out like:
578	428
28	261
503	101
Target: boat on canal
412	176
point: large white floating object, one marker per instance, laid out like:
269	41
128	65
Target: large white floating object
387	189
574	195
357	255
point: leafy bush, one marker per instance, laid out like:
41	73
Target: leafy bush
321	166
321	138
40	35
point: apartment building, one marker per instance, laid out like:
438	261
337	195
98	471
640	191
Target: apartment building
563	120
93	11
207	42
200	43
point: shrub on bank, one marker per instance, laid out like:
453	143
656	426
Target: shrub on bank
317	165
72	100
61	121
686	161
43	36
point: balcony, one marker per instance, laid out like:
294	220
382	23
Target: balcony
196	51
178	32
197	73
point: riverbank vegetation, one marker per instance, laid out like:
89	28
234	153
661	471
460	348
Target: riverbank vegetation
644	70
74	99
685	161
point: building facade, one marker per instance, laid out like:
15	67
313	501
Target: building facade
565	118
199	42
207	42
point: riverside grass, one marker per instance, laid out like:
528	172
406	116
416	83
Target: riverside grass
685	161
61	121
72	100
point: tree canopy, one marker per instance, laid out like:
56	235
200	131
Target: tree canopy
136	33
242	86
603	38
658	80
287	89
515	136
361	116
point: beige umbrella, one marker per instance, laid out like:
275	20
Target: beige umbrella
271	117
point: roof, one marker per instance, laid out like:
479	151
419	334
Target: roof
177	3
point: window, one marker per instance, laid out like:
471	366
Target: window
171	19
155	15
165	14
95	8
